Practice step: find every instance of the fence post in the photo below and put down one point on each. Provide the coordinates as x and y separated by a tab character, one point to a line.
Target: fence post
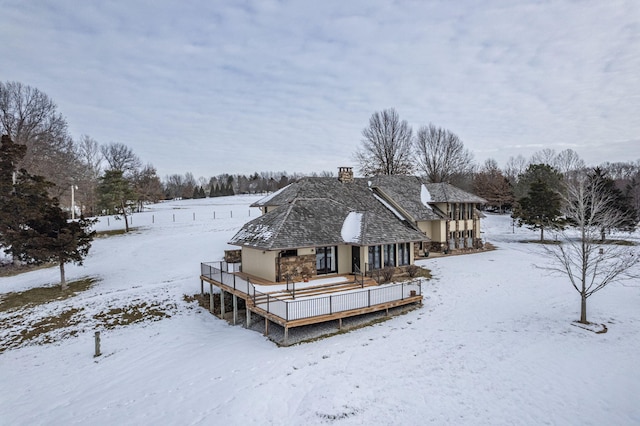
153	218
97	343
174	217
211	298
231	213
194	215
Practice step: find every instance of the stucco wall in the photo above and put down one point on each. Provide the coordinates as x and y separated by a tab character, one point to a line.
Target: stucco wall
344	259
259	263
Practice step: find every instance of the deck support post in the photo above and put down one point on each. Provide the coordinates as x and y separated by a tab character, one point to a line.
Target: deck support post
339	323
201	288
266	326
286	334
235	309
222	303
211	298
248	313
387	311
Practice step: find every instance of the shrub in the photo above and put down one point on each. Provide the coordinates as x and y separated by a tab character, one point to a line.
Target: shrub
387	273
412	270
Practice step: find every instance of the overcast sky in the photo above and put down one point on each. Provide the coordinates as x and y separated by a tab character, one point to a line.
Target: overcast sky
236	86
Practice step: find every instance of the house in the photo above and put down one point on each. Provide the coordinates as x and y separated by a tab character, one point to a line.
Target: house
321	226
447	215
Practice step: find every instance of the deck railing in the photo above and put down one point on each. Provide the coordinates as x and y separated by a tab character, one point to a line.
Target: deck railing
310	306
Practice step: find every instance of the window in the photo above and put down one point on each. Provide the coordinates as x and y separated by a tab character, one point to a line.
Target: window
289	253
404	254
389	255
326	261
374	257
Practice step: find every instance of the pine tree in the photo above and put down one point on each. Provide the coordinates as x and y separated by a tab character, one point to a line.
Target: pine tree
202	194
619	202
10	211
540	209
51	237
33	227
196	192
229	190
116	195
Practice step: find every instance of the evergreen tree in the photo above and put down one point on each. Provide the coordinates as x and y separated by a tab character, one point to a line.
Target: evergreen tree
619	203
202	193
217	192
33	227
540	209
116	195
537	172
10	212
196	192
212	191
51	237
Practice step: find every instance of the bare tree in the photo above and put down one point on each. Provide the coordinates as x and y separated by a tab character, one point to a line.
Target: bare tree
31	118
490	184
90	157
568	161
89	153
147	186
386	145
442	156
514	168
545	156
120	157
590	264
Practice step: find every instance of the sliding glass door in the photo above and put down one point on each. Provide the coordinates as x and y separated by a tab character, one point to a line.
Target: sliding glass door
326	260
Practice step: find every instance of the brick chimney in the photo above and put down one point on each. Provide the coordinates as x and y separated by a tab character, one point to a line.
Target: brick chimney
345	174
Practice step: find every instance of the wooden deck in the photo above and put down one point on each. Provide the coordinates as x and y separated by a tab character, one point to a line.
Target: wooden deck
269	304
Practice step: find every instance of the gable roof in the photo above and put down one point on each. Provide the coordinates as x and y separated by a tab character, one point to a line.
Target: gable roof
405	191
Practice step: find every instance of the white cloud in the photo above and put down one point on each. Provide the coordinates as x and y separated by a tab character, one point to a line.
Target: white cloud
222	87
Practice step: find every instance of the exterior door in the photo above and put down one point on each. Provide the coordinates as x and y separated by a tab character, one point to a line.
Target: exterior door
326	260
355	259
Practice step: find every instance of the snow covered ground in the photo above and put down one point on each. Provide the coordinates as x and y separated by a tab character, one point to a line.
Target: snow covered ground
493	344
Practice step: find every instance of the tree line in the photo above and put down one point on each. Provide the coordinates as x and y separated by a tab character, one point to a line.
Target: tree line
103	178
390	146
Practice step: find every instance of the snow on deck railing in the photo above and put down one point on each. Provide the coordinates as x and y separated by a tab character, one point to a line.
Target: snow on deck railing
311	306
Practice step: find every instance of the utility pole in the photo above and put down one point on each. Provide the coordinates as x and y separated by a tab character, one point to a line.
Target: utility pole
73	202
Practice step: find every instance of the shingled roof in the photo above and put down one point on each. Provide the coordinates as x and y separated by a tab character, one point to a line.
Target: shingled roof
314	212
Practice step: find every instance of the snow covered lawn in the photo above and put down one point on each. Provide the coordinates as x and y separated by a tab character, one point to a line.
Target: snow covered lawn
493	344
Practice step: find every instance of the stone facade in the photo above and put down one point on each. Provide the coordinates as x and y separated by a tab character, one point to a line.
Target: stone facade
296	266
